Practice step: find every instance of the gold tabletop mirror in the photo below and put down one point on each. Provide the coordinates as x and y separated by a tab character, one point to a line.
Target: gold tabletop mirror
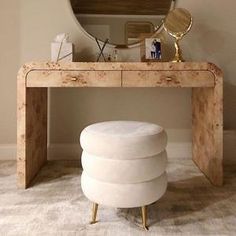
178	23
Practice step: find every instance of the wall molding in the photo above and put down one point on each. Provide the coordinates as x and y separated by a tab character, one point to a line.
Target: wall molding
7	152
68	151
230	147
72	151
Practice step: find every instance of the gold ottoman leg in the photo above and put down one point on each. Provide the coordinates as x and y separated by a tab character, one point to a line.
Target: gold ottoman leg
144	217
94	214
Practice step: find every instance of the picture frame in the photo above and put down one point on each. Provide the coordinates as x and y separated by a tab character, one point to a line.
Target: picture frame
151	49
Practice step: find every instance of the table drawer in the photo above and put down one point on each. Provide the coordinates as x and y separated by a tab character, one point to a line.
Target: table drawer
74	79
167	79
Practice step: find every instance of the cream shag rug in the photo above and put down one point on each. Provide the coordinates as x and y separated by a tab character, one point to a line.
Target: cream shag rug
55	205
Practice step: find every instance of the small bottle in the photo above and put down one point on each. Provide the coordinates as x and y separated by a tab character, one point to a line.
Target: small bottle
109	58
115	55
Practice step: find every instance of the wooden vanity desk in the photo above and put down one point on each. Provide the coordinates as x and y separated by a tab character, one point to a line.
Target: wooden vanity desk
205	79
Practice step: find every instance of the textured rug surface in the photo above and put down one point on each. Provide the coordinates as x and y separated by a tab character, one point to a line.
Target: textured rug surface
55	205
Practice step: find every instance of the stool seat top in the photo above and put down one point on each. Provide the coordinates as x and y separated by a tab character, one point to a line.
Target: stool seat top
123	139
124	128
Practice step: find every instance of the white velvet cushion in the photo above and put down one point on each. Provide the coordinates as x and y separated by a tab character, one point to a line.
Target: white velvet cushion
124	171
123	139
123	195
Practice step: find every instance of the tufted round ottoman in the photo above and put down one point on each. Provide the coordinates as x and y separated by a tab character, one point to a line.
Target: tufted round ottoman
124	164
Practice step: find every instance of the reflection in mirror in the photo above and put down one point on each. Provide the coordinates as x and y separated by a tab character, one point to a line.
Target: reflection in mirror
123	22
178	23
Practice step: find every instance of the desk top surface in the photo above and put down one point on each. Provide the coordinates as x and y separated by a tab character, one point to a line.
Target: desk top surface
122	66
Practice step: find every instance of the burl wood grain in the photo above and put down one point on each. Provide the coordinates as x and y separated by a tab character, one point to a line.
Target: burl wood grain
74	79
207	127
205	79
167	79
32	140
36	131
31	130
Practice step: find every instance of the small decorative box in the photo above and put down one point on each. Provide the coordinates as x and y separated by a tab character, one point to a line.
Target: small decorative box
61	49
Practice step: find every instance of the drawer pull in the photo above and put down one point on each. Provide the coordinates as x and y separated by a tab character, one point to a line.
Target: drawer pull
169	79
74	79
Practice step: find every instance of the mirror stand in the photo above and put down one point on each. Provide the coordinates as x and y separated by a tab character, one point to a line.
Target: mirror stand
178	52
178	23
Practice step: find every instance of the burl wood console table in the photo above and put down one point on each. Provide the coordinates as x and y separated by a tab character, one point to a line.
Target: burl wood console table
34	79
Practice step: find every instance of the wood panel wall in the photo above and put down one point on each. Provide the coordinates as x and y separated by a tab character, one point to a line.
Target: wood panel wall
121	7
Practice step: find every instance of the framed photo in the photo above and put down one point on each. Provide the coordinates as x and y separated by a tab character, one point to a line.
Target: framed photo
151	49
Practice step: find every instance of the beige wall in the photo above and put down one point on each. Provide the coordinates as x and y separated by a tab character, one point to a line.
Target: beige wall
9	63
213	38
28	28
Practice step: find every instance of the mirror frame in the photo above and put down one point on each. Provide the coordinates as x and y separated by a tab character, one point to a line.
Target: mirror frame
111	45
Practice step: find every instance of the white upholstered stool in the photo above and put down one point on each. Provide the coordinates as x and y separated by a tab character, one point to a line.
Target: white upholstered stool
124	164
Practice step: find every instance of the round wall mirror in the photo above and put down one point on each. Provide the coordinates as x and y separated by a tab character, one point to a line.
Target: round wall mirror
122	22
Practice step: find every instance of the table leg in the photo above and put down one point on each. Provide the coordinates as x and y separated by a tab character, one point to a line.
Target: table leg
207	127
31	133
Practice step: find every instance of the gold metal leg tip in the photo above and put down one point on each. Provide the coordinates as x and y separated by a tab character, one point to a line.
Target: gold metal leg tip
93	222
144	217
94	213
